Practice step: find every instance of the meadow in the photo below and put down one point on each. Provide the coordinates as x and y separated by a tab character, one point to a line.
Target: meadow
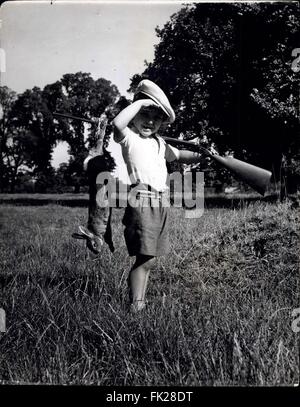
219	304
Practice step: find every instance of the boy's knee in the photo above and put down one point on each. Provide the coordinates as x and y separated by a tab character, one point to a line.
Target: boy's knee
150	263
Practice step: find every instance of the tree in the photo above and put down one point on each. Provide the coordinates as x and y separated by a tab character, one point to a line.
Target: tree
227	71
7	98
16	156
17	143
86	98
79	94
32	131
31	114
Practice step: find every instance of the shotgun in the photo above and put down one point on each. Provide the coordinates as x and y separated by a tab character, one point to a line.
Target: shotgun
256	177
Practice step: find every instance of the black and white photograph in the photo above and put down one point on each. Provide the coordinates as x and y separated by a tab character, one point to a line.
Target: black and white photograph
149	195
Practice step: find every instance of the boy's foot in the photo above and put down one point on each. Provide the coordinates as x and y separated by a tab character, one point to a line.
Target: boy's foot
137	306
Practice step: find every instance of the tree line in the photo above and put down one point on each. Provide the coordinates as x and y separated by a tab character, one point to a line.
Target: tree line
232	76
29	131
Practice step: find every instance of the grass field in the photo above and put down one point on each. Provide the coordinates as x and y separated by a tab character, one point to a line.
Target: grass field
219	310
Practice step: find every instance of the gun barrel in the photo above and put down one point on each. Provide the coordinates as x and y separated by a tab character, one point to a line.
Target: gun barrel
70	116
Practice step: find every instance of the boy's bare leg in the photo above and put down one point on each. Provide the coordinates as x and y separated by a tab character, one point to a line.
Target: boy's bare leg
138	280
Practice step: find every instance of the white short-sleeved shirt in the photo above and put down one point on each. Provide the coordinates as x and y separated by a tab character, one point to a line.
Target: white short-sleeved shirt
146	158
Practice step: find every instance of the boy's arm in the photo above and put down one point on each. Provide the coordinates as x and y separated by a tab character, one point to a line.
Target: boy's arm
189	157
122	120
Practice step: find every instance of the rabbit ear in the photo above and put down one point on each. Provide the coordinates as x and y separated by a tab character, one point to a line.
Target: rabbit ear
94	243
85	232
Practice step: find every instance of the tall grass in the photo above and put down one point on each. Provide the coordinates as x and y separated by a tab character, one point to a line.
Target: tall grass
219	305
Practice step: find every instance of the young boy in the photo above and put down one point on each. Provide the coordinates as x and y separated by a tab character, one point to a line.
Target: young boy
145	154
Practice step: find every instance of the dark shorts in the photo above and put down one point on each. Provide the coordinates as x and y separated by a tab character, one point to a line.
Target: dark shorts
146	227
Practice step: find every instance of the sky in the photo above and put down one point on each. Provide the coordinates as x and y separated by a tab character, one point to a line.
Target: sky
108	39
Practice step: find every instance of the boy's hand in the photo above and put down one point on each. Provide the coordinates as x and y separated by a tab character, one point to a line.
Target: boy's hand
148	102
122	120
189	157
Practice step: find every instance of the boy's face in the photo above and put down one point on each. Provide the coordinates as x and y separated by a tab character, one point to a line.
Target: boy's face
148	120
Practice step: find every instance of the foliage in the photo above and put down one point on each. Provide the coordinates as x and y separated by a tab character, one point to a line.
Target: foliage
29	132
7	98
227	71
83	97
30	113
14	154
